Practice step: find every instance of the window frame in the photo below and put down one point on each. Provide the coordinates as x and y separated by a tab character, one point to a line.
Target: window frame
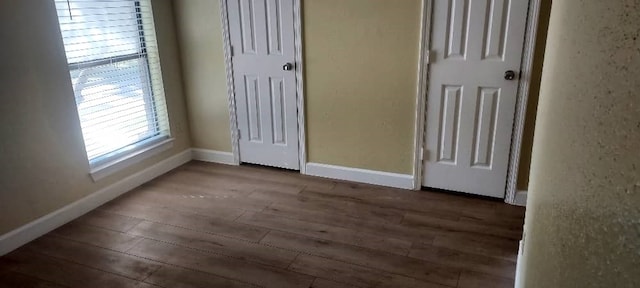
111	162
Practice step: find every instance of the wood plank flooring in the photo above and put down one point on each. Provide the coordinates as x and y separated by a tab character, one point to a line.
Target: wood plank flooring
208	225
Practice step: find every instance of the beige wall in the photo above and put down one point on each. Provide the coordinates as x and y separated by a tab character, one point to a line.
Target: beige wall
353	55
360	73
202	55
582	222
43	163
361	61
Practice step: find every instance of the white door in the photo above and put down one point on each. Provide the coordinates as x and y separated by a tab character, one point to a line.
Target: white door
263	72
471	102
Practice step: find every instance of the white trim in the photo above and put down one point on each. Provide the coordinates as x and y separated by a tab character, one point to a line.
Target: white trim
213	156
34	229
404	181
522	97
228	65
528	53
297	35
132	158
519	283
520	198
421	90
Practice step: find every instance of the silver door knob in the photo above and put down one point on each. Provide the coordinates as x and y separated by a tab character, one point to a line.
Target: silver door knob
509	75
287	67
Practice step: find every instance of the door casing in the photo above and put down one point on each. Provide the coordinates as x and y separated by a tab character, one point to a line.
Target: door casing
521	98
298	68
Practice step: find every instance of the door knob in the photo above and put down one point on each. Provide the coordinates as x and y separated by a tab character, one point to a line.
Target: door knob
509	75
287	67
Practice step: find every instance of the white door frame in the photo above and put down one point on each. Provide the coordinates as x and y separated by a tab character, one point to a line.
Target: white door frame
521	98
297	31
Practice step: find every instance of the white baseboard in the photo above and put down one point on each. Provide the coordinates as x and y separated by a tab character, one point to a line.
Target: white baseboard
212	156
521	198
32	230
519	279
403	181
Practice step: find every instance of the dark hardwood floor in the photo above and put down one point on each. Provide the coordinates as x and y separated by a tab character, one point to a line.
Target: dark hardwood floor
208	225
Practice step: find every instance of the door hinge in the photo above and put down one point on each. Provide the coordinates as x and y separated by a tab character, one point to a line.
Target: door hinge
430	55
239	134
231	50
424	154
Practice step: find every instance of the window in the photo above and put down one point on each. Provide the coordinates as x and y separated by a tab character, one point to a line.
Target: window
115	72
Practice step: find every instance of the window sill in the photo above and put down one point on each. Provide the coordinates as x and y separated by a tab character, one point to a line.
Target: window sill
100	172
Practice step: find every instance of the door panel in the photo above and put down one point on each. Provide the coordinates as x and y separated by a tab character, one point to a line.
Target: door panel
470	103
457	19
262	39
252	94
485	123
494	31
450	117
276	89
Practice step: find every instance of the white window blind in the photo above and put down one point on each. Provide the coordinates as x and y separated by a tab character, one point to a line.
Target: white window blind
113	59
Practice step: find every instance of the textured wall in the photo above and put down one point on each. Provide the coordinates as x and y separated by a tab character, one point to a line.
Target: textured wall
43	163
202	56
583	215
